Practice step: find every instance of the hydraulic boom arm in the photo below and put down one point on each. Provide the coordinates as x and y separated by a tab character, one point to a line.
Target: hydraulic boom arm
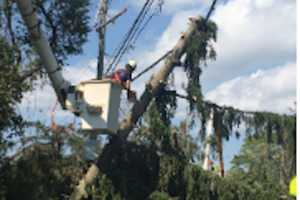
44	50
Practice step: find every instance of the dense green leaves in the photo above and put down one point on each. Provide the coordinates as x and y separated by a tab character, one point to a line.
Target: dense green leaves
11	93
39	174
66	25
199	51
133	169
260	167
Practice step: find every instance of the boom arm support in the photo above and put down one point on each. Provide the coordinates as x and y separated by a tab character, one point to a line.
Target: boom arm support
44	50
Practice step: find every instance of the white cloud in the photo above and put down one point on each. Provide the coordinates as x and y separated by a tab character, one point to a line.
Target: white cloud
169	37
166	42
270	90
252	34
264	4
171	6
86	70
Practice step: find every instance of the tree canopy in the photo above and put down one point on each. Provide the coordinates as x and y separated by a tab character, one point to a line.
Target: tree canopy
159	160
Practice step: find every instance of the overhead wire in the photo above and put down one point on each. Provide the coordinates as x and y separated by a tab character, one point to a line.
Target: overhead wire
140	24
152	65
127	35
156	12
131	35
208	15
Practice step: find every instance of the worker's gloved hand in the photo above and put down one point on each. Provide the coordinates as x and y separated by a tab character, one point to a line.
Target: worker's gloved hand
131	96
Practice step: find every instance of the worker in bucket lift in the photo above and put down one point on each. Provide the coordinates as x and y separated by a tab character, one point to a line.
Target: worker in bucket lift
124	78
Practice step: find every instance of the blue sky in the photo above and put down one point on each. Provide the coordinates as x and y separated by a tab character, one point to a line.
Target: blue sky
256	55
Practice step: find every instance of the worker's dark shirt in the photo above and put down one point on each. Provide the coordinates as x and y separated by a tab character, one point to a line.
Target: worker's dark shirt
122	75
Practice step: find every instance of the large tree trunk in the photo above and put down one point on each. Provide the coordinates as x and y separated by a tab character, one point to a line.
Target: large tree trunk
152	88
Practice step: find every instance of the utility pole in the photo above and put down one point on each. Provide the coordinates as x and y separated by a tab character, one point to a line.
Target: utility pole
101	35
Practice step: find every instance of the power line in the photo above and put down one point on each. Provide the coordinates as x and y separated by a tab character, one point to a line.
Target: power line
125	40
158	11
131	35
129	43
134	37
152	65
169	52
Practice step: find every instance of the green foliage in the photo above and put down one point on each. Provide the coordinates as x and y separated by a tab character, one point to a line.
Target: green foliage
179	179
159	196
66	25
172	175
130	166
269	123
166	105
260	167
225	119
11	93
39	174
200	50
103	189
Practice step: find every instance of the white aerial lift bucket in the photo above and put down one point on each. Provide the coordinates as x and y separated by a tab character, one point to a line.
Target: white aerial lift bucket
98	102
